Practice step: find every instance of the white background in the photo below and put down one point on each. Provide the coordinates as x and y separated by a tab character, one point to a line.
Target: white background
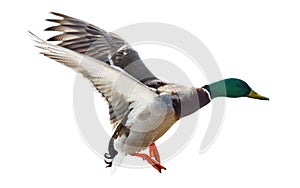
258	145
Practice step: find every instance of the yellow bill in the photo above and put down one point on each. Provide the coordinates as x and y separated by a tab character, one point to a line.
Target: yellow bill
255	95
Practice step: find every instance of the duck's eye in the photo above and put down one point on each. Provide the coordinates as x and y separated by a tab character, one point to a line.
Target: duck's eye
239	85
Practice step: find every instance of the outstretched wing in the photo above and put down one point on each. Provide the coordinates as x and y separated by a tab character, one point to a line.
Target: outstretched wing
126	95
92	41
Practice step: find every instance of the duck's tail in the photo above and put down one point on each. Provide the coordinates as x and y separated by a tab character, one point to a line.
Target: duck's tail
112	152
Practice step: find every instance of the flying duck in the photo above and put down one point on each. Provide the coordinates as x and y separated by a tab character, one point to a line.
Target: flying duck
141	106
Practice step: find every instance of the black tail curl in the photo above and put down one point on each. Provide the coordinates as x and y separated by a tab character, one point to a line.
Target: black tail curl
111	153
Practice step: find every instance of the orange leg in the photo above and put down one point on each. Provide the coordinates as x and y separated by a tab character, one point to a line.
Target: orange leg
153	152
151	161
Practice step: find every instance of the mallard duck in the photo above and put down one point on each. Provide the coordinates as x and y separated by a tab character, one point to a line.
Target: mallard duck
141	106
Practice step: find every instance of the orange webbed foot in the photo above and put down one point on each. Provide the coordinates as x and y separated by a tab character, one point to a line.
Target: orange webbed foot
151	161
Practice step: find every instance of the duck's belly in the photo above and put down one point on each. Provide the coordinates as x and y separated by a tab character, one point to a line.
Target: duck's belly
140	140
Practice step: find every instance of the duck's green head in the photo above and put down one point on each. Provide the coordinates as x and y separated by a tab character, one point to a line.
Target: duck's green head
233	88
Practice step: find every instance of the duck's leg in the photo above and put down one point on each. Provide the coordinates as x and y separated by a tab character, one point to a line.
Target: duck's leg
153	152
151	161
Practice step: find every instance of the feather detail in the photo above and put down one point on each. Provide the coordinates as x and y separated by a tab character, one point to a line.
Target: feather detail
123	92
87	39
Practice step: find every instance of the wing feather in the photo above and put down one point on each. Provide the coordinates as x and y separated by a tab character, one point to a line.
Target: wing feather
95	42
123	92
84	31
